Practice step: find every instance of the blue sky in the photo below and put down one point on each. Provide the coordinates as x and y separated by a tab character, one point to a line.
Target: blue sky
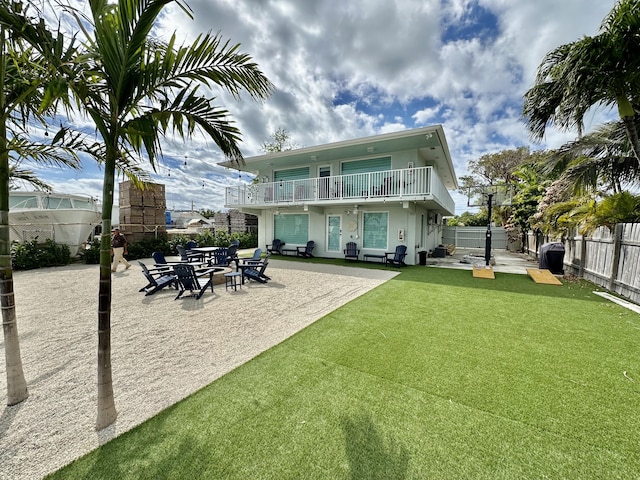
352	69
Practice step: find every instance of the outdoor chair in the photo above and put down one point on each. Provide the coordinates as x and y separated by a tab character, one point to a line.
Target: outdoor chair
188	279
387	187
186	256
190	244
232	254
219	257
306	250
256	271
351	252
397	258
158	278
276	246
256	258
160	262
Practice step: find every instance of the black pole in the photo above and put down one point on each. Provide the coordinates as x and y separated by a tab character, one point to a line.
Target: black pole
487	244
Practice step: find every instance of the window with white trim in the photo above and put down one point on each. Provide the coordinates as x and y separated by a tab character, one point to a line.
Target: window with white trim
375	230
292	228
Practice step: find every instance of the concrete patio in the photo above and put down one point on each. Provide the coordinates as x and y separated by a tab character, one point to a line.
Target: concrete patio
505	261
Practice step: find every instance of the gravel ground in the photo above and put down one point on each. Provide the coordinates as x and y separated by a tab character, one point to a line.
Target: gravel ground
162	350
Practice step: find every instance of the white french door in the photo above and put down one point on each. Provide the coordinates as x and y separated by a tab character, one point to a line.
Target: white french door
334	233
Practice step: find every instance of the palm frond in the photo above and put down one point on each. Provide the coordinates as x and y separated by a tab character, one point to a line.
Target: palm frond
183	116
603	158
58	154
20	175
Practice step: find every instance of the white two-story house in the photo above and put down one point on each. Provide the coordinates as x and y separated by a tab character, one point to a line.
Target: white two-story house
379	192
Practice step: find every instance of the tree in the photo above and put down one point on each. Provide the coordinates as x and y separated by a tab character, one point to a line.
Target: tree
600	161
468	219
281	142
137	89
28	92
525	202
587	213
599	70
495	168
499	169
207	213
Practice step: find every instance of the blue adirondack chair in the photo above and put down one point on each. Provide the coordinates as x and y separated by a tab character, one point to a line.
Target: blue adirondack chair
276	246
306	250
157	279
351	252
397	258
256	258
256	271
188	279
187	256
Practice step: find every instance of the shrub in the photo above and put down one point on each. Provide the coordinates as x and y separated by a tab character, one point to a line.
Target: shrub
91	255
144	248
30	255
217	239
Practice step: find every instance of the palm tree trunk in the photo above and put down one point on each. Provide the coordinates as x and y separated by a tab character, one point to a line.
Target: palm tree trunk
16	383
106	405
627	114
632	134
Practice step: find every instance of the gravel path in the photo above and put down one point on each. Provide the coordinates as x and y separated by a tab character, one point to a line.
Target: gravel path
162	350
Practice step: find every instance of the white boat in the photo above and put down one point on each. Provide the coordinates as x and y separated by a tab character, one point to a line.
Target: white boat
63	218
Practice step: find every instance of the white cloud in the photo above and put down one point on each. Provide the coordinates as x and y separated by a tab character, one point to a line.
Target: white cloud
390	63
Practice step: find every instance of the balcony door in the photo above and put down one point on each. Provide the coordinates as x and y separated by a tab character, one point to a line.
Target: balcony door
324	172
334	233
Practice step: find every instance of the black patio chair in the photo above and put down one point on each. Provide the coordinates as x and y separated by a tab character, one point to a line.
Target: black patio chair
188	256
276	246
397	258
256	271
191	279
351	252
256	258
158	278
232	255
220	257
160	261
306	250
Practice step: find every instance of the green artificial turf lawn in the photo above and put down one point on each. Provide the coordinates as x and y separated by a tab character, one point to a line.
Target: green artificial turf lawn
434	374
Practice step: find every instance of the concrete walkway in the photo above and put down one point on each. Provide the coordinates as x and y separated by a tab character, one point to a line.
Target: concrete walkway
505	261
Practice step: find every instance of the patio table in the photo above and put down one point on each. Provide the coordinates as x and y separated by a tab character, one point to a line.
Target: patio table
208	251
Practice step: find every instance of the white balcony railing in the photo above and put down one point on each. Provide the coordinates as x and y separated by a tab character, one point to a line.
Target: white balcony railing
389	184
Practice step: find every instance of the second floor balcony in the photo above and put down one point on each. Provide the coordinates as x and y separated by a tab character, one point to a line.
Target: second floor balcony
411	184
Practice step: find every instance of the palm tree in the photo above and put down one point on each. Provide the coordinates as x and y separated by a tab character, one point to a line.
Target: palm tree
136	89
600	161
600	70
26	94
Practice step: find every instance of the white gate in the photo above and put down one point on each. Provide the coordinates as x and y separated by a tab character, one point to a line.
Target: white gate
474	237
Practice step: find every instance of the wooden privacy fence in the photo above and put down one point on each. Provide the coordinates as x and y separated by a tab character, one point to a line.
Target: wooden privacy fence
609	259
